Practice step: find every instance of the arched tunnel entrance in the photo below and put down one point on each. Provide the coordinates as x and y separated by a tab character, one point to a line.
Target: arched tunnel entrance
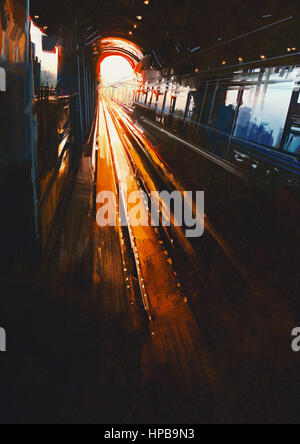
117	78
118	68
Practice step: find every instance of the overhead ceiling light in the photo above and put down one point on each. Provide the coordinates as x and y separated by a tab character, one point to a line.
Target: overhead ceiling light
139	17
36	17
224	62
130	32
197	70
135	26
267	16
146	2
240	59
263	57
45	27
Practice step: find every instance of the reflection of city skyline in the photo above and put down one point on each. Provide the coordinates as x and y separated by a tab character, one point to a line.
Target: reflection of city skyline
256	112
268	107
254	131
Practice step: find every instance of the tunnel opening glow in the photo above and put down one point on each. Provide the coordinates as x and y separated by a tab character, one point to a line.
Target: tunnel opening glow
118	79
115	71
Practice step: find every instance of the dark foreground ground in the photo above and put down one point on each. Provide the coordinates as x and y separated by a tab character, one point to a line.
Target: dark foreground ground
75	354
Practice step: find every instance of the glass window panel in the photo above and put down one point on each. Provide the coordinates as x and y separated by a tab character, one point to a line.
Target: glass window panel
181	100
168	103
224	108
208	103
195	105
151	98
161	99
262	115
292	144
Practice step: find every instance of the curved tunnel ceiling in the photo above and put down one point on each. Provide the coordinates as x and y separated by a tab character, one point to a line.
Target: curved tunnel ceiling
109	46
174	31
112	18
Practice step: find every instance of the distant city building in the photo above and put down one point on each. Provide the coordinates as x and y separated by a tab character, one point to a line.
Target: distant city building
48	60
